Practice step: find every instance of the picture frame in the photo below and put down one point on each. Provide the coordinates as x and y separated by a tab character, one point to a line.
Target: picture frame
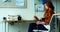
13	3
39	8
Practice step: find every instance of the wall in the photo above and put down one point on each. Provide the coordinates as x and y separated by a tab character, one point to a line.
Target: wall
58	6
25	13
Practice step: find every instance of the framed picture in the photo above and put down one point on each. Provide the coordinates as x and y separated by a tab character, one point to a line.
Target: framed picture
13	3
39	7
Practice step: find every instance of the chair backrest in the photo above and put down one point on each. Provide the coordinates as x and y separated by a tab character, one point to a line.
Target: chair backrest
51	19
40	31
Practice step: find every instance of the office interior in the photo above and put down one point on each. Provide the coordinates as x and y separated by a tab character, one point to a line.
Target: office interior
10	10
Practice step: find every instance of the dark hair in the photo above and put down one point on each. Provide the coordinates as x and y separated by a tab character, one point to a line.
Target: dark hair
50	5
36	17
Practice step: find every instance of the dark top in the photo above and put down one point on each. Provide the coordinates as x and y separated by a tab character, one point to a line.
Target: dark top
33	26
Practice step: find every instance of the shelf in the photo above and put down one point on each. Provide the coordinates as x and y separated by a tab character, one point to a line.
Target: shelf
19	20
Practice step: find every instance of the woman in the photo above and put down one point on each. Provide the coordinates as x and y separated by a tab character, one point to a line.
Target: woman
36	26
49	11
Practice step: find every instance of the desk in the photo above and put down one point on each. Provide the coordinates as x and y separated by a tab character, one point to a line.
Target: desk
7	23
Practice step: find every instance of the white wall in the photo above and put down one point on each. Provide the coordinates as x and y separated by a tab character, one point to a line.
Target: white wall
26	13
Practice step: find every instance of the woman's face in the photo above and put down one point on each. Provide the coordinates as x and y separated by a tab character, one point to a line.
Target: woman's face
46	6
